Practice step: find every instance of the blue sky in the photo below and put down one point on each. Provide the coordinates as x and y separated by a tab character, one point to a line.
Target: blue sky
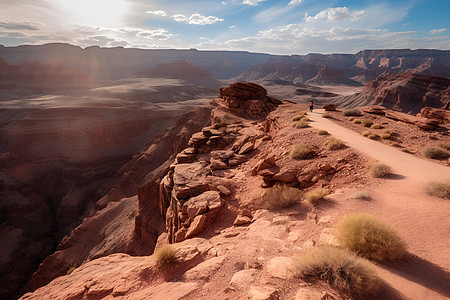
269	26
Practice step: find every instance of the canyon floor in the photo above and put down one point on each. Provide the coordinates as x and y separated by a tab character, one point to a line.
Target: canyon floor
252	259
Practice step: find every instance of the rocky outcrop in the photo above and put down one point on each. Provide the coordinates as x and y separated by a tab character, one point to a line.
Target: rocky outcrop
440	115
403	92
331	76
248	100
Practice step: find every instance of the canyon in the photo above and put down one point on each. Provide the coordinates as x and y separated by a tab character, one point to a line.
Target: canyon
110	157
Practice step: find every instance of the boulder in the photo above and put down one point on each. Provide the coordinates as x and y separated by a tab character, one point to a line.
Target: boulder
329	107
440	115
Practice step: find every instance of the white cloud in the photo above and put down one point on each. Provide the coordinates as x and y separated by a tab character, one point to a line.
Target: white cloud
337	14
159	13
197	19
252	2
437	31
232	26
295	2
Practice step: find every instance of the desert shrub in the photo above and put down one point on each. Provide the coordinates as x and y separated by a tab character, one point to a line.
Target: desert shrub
385	136
301	151
366	123
323	132
362	195
71	268
316	195
378	169
372	136
334	144
439	189
326	115
340	269
444	145
376	126
435	152
300	124
166	255
350	118
299	116
357	121
352	112
366	133
370	237
280	196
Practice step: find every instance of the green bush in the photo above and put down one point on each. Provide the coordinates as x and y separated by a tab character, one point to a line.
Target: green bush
340	269
316	195
166	255
370	237
280	196
435	152
366	123
352	112
333	144
323	132
378	169
439	189
301	151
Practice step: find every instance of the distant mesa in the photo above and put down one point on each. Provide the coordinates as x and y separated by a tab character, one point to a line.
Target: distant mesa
403	92
179	69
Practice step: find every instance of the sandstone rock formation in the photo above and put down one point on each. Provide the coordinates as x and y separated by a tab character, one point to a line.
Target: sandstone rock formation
403	92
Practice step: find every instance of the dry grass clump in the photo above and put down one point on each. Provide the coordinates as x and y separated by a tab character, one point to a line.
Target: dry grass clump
350	118
439	189
435	152
280	196
357	121
166	255
378	169
316	195
323	132
387	134
326	115
362	195
301	151
71	268
372	136
333	144
376	126
300	124
352	112
366	123
340	269
370	237
444	145
299	116
366	133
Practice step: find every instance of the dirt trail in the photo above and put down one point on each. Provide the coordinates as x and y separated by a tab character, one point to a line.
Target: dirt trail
403	164
422	221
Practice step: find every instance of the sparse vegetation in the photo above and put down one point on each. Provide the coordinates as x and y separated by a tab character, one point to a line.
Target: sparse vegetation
323	132
387	134
366	123
352	112
340	269
301	151
71	268
316	195
280	196
439	189
376	126
299	116
366	133
350	118
372	136
333	144
356	121
444	145
362	195
435	152
326	115
300	124
166	255
370	237
378	169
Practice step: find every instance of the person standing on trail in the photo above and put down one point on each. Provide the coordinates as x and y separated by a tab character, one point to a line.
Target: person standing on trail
311	106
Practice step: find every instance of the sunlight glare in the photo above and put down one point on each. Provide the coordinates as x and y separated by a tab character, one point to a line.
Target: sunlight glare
108	13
